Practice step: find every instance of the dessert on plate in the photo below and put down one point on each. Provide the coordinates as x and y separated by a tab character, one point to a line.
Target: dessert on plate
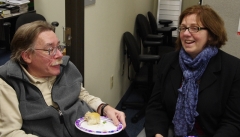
92	118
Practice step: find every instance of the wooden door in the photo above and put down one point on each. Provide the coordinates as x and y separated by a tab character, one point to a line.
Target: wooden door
74	16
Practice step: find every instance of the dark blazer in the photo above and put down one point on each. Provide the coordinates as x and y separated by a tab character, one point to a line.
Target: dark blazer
218	99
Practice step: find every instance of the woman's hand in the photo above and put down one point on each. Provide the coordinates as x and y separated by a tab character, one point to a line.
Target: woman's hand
116	115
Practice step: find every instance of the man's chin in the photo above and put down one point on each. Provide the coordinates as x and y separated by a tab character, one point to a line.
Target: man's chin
55	70
55	73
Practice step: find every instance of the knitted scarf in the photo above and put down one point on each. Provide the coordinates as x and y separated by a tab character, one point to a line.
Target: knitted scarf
185	113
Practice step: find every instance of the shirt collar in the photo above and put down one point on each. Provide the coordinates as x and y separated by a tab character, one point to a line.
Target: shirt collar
36	80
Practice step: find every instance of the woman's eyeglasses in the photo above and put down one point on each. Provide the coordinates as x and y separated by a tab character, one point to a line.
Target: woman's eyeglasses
52	51
192	29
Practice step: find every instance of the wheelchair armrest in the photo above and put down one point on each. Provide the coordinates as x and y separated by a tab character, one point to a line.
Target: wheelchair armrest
149	58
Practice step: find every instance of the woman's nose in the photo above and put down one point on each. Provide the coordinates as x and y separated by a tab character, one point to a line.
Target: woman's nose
186	33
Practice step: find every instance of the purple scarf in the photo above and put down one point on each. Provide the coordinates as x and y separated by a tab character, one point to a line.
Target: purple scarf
185	113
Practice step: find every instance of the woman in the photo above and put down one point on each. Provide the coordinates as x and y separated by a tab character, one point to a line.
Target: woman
197	91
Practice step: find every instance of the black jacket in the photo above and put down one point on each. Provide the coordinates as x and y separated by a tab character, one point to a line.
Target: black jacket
218	99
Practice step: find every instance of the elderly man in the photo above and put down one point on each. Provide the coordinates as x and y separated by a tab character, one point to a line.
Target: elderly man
40	89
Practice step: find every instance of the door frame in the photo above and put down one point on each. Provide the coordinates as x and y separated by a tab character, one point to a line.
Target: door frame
74	18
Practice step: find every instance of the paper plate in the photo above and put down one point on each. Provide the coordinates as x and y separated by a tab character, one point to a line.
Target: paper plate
106	127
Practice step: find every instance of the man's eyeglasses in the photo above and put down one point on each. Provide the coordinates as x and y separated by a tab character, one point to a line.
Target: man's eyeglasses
192	29
52	51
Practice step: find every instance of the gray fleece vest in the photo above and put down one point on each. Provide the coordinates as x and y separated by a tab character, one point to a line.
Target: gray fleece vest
39	118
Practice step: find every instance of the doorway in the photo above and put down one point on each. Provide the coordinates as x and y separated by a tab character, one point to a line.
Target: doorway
74	19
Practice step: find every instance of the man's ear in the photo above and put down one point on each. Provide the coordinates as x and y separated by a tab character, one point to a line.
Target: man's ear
26	56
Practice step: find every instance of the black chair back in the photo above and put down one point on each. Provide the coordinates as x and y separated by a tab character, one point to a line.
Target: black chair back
27	18
165	31
22	19
143	26
145	33
143	81
133	50
152	22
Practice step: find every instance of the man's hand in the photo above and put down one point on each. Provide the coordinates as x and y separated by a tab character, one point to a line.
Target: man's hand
116	115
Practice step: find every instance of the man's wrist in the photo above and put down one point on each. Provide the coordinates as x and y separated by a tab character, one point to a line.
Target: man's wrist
102	109
99	108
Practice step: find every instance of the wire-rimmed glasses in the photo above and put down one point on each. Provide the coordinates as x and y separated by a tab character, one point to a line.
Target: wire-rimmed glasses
52	51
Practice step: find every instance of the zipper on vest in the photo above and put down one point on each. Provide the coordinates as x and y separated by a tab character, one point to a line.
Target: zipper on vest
62	119
60	115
